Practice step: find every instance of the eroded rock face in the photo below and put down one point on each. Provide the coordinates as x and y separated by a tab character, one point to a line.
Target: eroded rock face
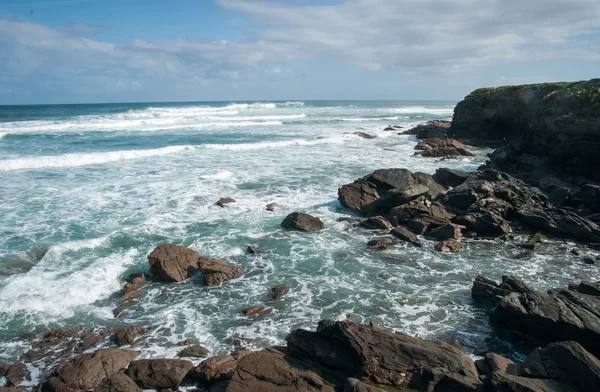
127	335
159	373
430	129
302	222
357	351
118	382
86	371
173	263
216	271
406	235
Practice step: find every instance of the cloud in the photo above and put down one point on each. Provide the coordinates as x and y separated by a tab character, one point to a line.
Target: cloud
417	35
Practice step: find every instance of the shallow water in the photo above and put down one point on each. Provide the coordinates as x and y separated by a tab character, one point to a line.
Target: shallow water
89	190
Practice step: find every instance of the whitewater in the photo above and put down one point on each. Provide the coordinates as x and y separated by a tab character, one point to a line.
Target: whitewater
88	191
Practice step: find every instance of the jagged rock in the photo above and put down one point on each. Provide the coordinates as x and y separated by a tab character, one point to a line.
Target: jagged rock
86	371
452	246
377	222
279	291
364	135
357	350
522	255
254	250
225	200
488	290
194	352
485	223
256	311
433	143
135	282
159	373
118	382
423	223
406	235
271	207
131	295
302	222
16	374
449	177
173	263
216	271
127	335
445	232
185	342
446	152
430	129
382	243
589	260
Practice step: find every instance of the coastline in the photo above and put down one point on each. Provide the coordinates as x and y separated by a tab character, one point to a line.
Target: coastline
472	205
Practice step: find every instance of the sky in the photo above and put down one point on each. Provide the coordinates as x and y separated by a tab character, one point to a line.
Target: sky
89	51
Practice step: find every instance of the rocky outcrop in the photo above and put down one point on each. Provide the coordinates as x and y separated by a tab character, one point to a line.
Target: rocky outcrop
118	382
216	271
159	373
442	148
173	263
554	316
430	129
380	244
194	352
127	335
302	222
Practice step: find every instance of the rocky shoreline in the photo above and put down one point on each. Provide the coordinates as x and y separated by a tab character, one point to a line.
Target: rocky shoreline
527	124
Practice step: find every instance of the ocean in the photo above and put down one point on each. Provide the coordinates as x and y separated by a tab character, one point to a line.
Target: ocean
88	191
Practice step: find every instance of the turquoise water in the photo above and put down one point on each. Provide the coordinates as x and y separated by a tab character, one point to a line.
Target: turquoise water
89	190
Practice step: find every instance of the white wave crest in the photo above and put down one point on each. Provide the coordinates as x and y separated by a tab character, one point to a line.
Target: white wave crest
423	109
83	159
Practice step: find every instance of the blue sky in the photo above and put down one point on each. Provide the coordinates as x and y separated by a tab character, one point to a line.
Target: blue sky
184	50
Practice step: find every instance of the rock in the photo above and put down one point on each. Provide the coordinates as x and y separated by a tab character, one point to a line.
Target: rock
558	315
406	235
530	245
522	255
430	129
159	373
185	342
135	282
485	223
590	288
173	263
256	311
215	369
355	385
589	260
574	252
279	291
131	295
450	178
254	250
302	222
488	290
216	271
422	223
357	350
382	243
446	152
377	222
364	135
225	200
16	374
86	371
118	382
433	143
271	206
364	194
194	352
494	363
127	335
450	245
445	232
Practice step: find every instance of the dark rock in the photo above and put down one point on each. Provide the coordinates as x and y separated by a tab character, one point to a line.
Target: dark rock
216	271
16	374
485	223
185	342
522	255
451	245
173	263
488	290
377	222
271	206
194	352
357	350
449	177
279	291
224	200
422	223
216	369
530	245
159	373
364	135
254	250
430	129
434	143
590	288
575	252
589	260
131	296
127	335
445	232
86	371
382	243
302	222
256	311
406	235
446	152
118	382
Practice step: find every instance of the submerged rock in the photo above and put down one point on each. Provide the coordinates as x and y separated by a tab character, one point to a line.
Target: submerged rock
380	244
364	135
173	263
256	311
450	245
253	250
279	291
224	201
302	222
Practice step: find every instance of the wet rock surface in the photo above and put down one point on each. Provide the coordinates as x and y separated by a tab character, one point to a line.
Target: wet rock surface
173	263
302	222
159	373
216	271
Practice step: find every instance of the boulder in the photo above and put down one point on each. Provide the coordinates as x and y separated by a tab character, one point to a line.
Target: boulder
253	250
256	311
446	152
216	271
131	296
377	222
383	243
173	263
225	200
86	371
279	291
357	350
302	222
271	207
423	223
485	223
406	235
430	129
449	177
364	135
135	282
127	335
194	352
159	373
16	374
450	245
445	232
118	382
215	369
